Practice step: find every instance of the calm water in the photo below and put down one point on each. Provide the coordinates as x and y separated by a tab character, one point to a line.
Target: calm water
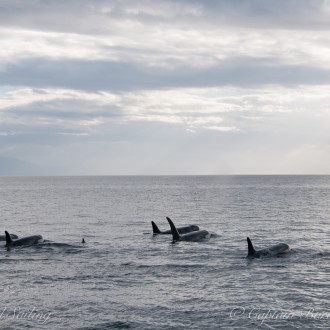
126	278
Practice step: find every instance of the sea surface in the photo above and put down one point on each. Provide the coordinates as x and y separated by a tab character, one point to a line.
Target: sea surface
123	277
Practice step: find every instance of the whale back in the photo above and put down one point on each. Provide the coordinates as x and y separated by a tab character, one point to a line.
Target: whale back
195	236
29	240
271	251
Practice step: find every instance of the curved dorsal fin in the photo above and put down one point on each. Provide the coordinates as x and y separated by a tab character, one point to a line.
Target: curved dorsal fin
175	233
155	229
251	249
8	238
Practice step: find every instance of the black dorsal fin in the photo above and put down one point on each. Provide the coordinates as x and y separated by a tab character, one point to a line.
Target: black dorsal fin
251	250
155	229
175	233
83	241
8	238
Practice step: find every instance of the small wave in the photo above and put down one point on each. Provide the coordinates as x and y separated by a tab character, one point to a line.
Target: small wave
61	245
57	247
110	325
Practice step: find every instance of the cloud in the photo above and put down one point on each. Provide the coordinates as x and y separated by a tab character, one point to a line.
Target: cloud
109	16
181	34
218	86
119	76
83	113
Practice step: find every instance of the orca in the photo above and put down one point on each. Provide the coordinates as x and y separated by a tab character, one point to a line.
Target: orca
35	239
272	251
190	237
3	237
181	230
83	241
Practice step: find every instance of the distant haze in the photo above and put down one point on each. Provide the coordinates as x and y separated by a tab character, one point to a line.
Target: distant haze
164	87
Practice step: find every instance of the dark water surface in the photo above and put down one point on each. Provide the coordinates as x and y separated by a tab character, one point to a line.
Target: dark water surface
123	277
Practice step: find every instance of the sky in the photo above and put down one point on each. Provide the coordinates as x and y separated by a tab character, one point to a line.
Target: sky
159	87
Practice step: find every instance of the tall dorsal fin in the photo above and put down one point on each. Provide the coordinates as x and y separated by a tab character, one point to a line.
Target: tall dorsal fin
251	249
155	229
175	233
8	238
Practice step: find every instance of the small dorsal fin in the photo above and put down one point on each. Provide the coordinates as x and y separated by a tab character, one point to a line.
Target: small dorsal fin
251	249
175	233
155	229
8	238
83	241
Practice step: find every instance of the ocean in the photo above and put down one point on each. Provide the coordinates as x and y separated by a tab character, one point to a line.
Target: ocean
123	277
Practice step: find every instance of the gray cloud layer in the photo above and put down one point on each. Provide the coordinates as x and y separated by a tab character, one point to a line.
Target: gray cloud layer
71	15
117	76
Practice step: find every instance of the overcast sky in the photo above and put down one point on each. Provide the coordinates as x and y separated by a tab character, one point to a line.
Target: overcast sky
164	87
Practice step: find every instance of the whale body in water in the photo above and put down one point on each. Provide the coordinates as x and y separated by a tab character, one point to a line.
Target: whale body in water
181	230
271	251
30	240
190	237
